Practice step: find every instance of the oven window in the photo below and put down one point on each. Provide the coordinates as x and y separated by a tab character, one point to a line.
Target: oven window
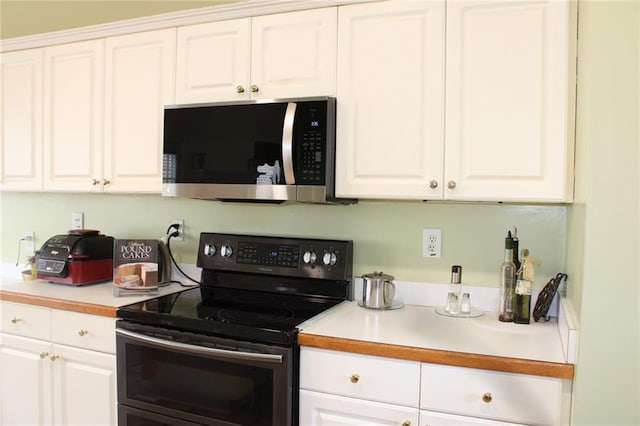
233	391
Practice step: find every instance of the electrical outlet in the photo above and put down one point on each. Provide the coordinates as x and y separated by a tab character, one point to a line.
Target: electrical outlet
180	222
431	242
77	220
28	241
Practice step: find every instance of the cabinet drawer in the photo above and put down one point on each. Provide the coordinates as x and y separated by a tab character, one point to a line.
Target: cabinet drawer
26	320
361	376
492	395
84	331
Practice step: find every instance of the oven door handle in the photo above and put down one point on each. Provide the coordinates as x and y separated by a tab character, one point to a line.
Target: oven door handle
210	352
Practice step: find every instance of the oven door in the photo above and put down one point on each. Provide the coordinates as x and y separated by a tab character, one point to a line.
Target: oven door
178	375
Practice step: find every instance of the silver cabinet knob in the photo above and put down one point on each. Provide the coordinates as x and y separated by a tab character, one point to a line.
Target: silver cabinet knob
451	184
433	184
15	320
94	182
43	355
54	357
105	182
83	332
239	89
254	88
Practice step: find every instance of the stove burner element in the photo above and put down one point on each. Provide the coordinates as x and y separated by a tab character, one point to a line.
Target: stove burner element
254	315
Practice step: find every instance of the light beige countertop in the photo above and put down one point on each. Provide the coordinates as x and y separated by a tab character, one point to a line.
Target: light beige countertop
419	333
96	299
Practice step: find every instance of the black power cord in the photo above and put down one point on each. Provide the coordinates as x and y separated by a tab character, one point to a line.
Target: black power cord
173	234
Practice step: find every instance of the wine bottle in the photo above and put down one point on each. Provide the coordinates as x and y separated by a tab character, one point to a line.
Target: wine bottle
522	302
507	281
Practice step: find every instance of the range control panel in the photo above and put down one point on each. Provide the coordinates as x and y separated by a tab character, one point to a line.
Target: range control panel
286	256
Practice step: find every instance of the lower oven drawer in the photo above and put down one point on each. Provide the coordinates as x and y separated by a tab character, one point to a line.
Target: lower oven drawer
203	379
128	416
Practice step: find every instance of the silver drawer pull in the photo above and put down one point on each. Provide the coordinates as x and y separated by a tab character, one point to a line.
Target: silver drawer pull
83	332
15	320
43	355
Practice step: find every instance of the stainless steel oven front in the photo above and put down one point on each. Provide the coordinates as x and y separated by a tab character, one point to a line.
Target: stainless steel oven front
170	377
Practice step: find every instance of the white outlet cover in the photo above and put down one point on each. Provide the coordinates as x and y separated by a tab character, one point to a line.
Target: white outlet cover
432	242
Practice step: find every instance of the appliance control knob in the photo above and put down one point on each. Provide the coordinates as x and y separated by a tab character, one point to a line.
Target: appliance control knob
309	257
329	258
226	251
209	249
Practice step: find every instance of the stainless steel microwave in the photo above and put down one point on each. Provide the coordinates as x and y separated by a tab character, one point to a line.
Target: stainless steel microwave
263	151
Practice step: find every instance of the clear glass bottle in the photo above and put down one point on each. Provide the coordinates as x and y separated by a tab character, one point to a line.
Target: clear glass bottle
454	297
522	302
507	281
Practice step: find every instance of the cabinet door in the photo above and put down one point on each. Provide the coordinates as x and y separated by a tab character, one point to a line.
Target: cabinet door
432	418
73	116
510	79
21	120
212	61
294	54
25	381
140	80
390	88
319	409
85	387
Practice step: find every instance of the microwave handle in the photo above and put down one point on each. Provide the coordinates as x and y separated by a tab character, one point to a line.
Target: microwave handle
201	350
287	144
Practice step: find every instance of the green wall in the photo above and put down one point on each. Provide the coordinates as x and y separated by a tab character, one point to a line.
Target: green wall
603	232
387	235
599	233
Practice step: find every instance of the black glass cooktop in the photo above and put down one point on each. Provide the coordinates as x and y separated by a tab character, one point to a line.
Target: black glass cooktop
239	314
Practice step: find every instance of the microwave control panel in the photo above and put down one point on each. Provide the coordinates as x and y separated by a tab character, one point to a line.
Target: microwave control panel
311	120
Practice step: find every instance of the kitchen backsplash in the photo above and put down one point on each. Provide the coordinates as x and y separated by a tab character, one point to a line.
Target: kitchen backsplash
387	235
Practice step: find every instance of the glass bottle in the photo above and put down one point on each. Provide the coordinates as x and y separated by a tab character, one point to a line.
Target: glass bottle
507	281
522	302
454	296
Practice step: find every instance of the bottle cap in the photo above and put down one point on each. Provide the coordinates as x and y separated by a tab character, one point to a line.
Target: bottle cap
508	242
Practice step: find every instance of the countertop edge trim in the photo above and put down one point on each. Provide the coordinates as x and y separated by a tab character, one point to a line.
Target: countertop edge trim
67	305
436	356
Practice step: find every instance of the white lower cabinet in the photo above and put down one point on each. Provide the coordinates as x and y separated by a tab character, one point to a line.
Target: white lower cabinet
321	409
346	389
485	395
340	388
44	380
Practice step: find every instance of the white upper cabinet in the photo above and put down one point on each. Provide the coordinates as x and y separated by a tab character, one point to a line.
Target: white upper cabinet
103	112
294	54
390	110
509	107
213	61
140	78
73	115
273	56
504	130
21	120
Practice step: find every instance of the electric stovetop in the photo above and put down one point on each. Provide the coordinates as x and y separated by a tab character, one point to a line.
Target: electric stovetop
240	314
